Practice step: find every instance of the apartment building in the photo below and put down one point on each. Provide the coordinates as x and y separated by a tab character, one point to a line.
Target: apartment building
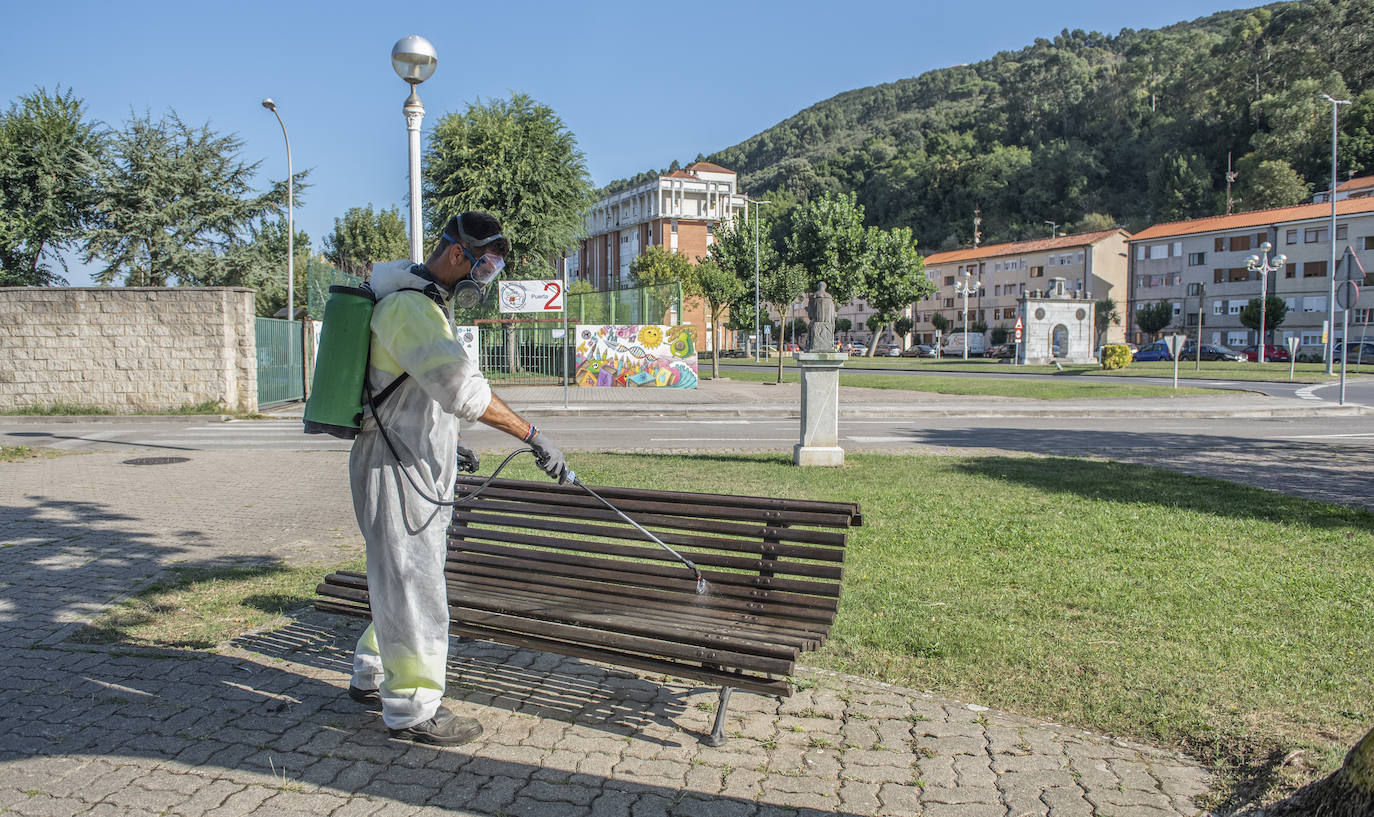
1199	266
1356	188
679	212
1093	266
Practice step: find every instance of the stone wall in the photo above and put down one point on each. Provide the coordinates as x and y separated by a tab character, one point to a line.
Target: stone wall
128	349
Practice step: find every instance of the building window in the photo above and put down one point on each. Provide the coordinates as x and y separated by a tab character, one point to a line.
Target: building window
949	302
1341	231
1195	289
1234	307
1238	274
1364	315
1178	308
949	280
1314	269
1192	319
1197	259
1140	252
1290	237
1314	304
1290	270
1158	251
1217	307
1369	242
1311	338
1218	276
1037	272
1316	235
1220	244
1178	249
1237	338
1239	243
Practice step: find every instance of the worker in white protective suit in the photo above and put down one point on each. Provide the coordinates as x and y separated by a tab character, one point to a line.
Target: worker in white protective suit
421	383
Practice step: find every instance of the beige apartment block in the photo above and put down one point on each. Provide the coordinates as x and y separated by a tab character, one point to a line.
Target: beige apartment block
1199	267
679	212
998	276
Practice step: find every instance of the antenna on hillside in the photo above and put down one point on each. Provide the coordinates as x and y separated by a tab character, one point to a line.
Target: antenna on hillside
977	222
1230	178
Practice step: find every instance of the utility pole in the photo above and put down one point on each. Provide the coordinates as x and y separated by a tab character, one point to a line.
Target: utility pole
977	222
1201	295
1230	178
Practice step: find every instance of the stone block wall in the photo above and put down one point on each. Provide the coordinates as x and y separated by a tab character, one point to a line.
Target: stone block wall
128	349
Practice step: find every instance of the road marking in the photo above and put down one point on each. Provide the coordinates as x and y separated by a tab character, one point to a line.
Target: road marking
1307	393
722	439
907	439
703	422
1319	436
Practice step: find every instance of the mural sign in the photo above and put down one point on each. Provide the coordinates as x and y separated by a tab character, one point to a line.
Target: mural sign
638	355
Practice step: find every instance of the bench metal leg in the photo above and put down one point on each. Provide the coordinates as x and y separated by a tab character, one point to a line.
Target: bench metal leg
717	736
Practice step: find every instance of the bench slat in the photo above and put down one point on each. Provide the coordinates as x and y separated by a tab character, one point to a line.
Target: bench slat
832	541
469	532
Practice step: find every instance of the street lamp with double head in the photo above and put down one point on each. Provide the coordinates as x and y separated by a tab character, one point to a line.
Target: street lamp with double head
758	337
414	60
1263	266
962	287
1331	271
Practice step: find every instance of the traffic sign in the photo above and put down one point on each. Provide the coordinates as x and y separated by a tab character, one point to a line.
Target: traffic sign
1347	294
1018	331
1293	341
1018	323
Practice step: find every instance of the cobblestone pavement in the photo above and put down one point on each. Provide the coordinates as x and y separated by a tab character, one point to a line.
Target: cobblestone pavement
261	725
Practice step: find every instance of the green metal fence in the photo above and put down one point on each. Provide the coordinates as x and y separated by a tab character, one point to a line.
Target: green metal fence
279	361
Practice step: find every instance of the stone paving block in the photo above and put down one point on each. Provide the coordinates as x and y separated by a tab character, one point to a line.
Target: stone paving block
1067	801
974	771
898	800
799	800
459	791
744	784
211	795
702	779
1020	764
938	771
242	802
954	745
692	806
360	807
498	793
652	805
1134	774
964	810
962	794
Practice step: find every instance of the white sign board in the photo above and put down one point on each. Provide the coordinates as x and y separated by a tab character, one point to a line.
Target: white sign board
467	338
1293	341
531	296
1175	343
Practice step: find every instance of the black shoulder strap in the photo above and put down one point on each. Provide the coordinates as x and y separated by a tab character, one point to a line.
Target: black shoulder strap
433	294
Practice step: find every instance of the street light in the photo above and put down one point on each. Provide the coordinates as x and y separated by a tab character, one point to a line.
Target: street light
290	233
758	336
962	287
1054	228
1263	266
1331	271
414	60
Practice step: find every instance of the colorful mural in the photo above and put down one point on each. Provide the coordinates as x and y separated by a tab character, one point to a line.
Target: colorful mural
637	355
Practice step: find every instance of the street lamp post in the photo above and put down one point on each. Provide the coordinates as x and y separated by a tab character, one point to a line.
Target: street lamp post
414	60
1263	266
758	335
1331	271
290	233
962	288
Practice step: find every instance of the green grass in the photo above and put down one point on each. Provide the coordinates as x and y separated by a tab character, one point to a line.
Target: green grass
1305	372
198	608
15	453
998	386
1222	620
64	409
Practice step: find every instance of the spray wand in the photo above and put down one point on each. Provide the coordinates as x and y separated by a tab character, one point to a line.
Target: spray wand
701	580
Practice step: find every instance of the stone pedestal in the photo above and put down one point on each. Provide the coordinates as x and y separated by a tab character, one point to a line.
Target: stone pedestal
820	409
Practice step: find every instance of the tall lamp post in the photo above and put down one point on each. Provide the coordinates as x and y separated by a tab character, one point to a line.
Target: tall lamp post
414	60
962	288
290	234
758	335
1263	266
1331	271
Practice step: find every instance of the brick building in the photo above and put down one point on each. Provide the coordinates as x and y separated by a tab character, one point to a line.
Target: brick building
1202	263
679	212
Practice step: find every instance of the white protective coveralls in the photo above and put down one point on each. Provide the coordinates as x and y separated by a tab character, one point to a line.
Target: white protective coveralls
404	651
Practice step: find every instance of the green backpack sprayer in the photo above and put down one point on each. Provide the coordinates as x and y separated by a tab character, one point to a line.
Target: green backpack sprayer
340	391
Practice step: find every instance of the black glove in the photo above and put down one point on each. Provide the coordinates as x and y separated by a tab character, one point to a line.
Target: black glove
549	458
467	459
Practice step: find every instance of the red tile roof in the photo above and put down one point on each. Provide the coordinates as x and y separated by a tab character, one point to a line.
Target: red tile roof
1359	183
1257	218
679	174
1021	247
708	167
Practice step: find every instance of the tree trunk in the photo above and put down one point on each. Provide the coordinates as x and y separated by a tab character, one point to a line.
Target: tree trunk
1349	792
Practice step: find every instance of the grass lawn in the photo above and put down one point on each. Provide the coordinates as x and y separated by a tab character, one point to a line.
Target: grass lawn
999	386
62	409
1305	372
1226	621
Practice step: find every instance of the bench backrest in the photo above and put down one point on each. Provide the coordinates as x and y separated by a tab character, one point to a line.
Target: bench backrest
773	562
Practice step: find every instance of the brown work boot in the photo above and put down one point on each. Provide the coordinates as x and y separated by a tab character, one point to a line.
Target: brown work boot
444	729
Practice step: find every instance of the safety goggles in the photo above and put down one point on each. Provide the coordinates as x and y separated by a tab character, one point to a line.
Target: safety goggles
486	268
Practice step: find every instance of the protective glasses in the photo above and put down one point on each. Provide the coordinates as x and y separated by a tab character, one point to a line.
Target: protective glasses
484	269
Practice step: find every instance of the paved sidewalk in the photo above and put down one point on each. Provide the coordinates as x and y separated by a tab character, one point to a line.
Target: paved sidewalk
261	726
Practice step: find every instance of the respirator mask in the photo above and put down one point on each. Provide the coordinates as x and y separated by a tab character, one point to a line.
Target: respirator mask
472	290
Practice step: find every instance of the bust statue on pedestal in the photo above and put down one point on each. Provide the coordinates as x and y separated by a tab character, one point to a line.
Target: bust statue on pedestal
821	311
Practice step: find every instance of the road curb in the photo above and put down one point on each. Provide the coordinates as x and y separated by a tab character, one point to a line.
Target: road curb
916	412
35	419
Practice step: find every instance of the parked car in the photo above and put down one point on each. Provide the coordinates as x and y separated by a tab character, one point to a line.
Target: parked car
1361	351
1002	351
891	350
1272	353
956	341
856	349
919	350
791	347
1210	351
1159	350
733	353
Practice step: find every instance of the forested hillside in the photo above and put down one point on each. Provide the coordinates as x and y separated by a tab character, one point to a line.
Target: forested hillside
1134	128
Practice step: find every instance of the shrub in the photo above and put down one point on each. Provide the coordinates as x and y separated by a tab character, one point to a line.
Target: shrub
1116	356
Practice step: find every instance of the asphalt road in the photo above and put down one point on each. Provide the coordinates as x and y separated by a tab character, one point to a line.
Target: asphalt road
1328	458
1359	388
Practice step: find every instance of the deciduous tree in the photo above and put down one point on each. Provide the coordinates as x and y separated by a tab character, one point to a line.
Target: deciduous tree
1275	312
718	287
659	266
829	241
364	237
1153	318
894	280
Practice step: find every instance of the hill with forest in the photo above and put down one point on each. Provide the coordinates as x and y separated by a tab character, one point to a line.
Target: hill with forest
1089	130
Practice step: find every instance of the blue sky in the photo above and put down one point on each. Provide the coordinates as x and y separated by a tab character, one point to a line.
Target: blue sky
639	84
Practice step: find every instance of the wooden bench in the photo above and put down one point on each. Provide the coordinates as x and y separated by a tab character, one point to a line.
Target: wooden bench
544	566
